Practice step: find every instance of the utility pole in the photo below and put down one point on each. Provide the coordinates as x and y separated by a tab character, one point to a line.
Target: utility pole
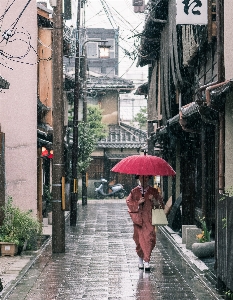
74	177
58	217
84	174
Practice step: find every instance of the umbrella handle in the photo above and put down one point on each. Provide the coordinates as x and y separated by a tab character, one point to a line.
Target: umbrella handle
143	188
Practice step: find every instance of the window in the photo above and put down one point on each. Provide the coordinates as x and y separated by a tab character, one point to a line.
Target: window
92	50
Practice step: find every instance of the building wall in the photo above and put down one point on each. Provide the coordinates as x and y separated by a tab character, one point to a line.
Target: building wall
107	66
18	105
109	104
130	106
44	70
228	41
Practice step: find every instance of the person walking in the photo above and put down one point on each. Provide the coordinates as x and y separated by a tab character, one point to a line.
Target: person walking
140	202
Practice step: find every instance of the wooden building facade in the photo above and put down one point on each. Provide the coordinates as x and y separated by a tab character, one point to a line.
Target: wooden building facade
189	101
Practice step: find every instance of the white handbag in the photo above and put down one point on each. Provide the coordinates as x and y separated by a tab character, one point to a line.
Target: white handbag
158	217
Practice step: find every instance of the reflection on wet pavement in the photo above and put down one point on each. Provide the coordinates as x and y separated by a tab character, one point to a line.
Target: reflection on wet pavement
100	263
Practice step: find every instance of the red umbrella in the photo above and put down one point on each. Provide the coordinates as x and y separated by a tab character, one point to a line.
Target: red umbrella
144	165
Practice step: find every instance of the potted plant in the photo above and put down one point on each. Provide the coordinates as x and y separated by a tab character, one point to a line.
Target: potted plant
18	230
204	247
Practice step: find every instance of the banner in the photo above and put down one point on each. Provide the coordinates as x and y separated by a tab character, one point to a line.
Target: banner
191	12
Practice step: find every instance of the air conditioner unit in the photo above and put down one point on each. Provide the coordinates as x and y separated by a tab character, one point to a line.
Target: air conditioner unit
138	2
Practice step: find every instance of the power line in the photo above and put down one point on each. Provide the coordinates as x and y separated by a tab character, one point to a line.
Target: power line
106	12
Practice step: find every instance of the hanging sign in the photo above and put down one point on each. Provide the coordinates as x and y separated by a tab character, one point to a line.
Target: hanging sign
191	12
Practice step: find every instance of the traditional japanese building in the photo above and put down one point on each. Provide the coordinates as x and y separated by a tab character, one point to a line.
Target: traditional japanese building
189	105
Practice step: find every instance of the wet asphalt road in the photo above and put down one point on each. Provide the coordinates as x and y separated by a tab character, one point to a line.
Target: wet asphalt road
100	263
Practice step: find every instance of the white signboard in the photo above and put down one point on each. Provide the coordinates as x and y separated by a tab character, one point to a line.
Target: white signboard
191	12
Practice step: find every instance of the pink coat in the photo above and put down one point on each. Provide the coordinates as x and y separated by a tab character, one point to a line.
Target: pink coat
144	232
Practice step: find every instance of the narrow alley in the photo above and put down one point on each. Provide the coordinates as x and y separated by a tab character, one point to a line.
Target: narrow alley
101	263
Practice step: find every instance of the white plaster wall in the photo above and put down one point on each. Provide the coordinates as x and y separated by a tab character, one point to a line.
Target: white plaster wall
18	105
228	40
229	142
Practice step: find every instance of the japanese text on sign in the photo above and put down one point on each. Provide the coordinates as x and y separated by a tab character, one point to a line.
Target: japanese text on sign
191	12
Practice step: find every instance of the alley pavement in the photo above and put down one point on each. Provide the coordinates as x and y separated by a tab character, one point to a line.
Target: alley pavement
100	263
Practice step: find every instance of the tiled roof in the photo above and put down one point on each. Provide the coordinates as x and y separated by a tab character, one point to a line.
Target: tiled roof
142	89
123	136
99	82
117	145
116	155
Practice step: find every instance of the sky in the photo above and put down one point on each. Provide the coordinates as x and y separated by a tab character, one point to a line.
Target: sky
113	14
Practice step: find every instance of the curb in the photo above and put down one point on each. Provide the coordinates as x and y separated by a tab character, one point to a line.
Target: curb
11	285
8	289
203	273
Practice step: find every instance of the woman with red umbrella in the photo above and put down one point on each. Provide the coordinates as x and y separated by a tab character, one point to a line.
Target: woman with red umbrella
140	202
142	199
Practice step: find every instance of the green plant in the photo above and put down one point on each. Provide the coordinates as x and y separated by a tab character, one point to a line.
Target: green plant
229	191
229	294
205	235
224	221
18	226
141	117
88	134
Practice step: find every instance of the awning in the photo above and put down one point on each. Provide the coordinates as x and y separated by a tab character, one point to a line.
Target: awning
162	130
142	89
150	36
189	110
4	84
174	120
41	107
218	95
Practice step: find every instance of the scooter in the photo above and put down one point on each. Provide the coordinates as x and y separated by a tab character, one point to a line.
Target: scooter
115	190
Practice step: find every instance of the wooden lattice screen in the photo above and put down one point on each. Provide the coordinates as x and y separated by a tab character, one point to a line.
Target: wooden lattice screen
225	241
